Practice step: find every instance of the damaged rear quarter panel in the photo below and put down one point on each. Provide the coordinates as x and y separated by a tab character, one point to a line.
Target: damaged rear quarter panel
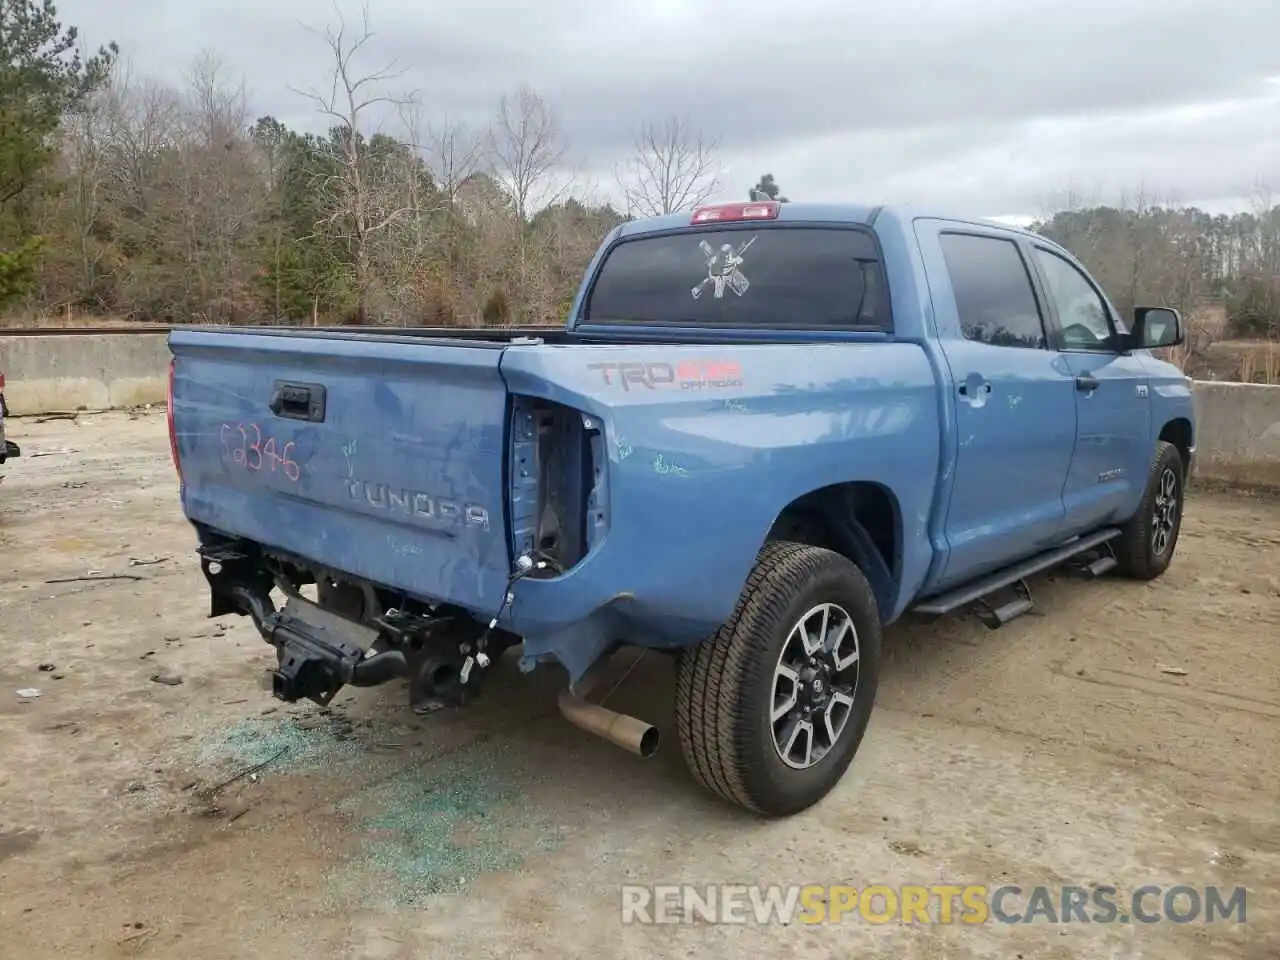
706	444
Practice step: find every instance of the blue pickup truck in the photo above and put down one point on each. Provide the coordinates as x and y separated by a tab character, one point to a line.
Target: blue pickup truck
766	432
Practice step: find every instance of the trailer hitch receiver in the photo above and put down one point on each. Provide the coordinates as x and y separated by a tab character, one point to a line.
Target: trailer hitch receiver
319	652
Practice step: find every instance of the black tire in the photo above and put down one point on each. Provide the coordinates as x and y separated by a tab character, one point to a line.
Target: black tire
1145	548
725	687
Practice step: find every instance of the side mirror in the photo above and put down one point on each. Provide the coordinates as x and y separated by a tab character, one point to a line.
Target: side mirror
1156	327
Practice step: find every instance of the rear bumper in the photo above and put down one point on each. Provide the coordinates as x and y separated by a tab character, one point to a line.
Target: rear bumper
572	619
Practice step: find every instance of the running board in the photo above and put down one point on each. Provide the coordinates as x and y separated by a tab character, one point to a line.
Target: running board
974	592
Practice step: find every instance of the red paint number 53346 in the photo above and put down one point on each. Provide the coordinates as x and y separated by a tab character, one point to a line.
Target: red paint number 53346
245	445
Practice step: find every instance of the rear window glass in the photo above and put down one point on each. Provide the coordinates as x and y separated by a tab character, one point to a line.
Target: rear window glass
769	277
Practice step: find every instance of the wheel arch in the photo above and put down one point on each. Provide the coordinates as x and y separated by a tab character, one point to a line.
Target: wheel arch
1179	432
860	520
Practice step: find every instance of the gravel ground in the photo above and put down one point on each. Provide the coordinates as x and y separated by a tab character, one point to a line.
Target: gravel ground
1124	734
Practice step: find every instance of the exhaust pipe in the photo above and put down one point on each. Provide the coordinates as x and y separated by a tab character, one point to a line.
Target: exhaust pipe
630	733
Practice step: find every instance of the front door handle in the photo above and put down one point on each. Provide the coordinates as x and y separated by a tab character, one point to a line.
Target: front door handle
1086	383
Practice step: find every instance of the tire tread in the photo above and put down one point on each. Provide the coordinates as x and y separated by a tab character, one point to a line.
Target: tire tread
1132	547
712	708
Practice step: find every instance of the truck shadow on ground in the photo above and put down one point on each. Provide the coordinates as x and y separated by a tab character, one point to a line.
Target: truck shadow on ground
433	803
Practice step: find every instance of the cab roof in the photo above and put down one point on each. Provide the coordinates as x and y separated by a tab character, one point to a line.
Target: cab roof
809	212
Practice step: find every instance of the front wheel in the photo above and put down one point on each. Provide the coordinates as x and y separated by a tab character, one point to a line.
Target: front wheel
772	707
1145	548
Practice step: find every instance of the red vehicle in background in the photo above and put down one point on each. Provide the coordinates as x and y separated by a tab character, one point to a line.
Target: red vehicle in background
7	447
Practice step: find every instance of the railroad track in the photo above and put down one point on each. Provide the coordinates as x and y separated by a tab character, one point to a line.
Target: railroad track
78	331
142	329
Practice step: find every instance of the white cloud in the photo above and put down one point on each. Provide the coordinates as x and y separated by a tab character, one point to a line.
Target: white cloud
976	106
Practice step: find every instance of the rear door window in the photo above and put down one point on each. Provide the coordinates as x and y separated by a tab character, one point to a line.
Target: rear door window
768	277
994	296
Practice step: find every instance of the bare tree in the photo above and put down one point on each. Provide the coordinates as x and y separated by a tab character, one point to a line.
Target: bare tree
221	190
453	153
86	140
527	147
674	168
1267	215
141	203
145	119
218	108
357	209
407	176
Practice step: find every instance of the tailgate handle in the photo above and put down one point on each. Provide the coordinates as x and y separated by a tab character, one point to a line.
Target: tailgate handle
298	401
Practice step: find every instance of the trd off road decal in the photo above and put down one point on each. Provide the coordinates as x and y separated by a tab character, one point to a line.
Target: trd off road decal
659	375
723	270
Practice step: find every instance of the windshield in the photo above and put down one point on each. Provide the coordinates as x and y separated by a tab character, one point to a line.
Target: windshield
768	276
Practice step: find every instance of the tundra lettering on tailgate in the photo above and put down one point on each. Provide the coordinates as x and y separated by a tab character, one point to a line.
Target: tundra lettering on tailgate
417	503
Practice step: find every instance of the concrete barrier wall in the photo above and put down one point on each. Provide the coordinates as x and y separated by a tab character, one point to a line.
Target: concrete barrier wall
91	372
1239	423
1239	427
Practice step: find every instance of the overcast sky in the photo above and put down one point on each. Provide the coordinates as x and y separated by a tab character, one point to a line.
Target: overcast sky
987	107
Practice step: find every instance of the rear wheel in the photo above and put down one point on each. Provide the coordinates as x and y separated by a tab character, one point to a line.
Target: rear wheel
772	707
1145	548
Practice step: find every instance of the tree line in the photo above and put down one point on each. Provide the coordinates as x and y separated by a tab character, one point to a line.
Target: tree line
124	196
1146	253
165	203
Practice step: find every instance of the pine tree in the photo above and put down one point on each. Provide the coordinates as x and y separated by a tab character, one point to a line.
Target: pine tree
767	189
42	77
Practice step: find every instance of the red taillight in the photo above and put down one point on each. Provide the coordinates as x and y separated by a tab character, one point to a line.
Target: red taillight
173	434
731	212
1	381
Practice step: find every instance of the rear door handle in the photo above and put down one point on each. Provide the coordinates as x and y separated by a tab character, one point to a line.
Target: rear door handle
298	401
1086	383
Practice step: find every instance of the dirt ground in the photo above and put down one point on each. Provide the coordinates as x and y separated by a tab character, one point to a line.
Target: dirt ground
1125	734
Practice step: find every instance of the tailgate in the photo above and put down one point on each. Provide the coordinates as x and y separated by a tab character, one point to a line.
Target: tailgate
378	456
